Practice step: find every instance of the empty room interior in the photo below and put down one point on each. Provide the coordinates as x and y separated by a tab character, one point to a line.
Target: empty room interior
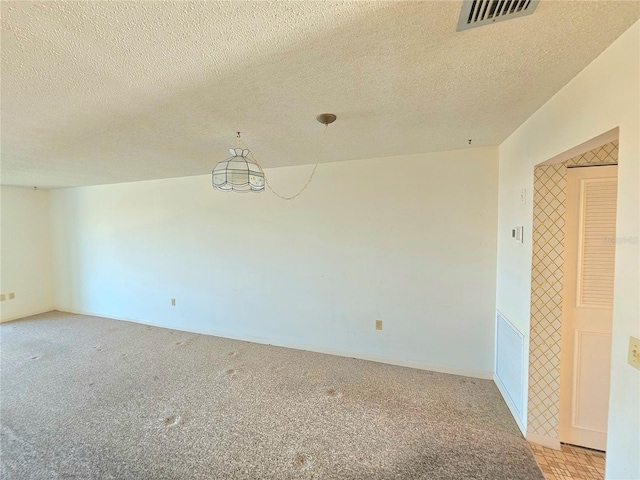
329	240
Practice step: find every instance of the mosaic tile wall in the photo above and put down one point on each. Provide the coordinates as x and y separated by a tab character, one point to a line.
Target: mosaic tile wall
550	183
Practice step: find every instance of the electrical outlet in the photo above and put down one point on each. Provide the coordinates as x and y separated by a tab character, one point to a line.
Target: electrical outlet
12	295
634	352
3	297
378	324
523	196
173	302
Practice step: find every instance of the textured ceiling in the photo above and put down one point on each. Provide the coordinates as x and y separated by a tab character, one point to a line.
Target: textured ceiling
102	92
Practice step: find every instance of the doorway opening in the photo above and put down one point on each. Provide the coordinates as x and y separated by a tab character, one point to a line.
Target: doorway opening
555	397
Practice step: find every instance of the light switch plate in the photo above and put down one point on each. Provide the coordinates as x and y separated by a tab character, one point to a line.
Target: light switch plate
634	352
3	297
12	295
378	324
517	233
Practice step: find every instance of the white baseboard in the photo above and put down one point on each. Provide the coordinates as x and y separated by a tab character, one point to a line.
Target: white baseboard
543	440
512	407
24	315
310	348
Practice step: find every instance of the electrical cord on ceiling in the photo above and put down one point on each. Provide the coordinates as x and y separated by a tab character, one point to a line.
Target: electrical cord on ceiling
313	172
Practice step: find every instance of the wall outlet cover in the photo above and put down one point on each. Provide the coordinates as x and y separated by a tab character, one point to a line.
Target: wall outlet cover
3	297
634	352
378	324
12	295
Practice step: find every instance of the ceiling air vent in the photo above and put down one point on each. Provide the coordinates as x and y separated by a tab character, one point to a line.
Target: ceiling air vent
476	13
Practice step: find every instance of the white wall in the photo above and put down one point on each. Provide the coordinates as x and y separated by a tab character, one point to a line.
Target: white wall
25	252
602	97
409	240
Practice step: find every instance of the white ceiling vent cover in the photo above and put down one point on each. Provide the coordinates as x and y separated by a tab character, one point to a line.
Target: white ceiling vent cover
476	13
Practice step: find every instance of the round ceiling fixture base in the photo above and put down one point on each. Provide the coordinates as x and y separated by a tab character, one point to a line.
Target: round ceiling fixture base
326	118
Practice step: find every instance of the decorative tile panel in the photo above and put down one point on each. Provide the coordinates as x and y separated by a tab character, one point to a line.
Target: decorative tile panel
550	182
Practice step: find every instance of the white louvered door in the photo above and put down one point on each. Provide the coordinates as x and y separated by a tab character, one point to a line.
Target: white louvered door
587	308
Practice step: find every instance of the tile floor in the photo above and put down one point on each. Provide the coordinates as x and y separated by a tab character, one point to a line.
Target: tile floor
570	463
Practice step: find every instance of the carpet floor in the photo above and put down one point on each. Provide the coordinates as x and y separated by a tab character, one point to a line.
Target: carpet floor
93	398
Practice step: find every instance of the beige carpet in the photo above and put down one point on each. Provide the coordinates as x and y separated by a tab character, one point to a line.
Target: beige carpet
91	398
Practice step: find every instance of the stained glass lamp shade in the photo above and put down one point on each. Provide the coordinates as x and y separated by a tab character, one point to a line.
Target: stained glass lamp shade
238	173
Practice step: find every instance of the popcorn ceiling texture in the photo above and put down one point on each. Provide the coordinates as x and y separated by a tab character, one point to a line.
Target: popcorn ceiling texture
92	398
103	92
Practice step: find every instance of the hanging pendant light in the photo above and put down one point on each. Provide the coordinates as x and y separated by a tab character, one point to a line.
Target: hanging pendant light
242	173
238	173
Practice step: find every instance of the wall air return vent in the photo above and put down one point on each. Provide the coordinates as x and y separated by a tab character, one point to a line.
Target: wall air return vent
476	13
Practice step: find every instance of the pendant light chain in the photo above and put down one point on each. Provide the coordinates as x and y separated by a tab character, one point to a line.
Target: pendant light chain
243	173
313	172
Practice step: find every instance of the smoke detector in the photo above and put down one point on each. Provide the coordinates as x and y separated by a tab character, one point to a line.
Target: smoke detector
476	13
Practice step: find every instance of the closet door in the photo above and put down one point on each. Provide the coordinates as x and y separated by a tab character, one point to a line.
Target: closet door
587	305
